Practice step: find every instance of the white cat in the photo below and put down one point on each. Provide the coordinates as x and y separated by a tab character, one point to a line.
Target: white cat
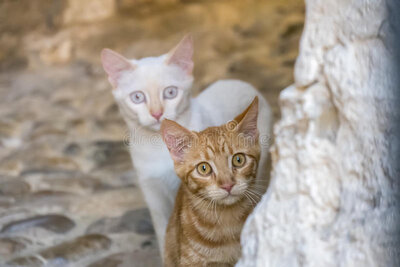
151	89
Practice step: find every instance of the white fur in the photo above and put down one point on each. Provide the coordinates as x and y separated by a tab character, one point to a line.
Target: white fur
218	104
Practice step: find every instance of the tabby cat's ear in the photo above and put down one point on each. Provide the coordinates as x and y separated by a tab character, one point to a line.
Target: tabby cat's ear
114	64
177	138
181	55
247	121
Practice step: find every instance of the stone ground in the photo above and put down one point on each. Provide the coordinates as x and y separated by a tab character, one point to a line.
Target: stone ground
68	195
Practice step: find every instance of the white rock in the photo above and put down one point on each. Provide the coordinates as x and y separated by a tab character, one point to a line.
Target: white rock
333	196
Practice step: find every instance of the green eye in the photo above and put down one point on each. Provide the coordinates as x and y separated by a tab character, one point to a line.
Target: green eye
204	168
238	160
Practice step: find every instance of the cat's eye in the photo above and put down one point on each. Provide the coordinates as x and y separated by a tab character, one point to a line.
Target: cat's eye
204	168
137	97
238	160
170	92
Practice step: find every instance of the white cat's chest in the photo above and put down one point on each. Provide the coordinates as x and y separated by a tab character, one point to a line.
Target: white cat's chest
151	159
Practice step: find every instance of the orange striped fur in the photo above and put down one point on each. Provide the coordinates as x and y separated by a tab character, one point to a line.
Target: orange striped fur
211	208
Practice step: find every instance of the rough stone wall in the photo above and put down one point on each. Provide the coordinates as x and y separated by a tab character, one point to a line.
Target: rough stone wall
333	194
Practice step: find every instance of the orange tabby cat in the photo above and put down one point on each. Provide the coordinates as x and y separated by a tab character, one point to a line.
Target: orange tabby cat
218	168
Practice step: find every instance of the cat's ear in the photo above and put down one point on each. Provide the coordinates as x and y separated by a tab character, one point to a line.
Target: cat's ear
114	64
177	138
247	121
181	55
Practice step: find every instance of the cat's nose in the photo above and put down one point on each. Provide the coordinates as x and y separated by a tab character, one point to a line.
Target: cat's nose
227	187
157	115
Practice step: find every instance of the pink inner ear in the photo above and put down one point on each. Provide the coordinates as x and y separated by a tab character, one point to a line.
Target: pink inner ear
177	138
114	64
250	130
248	124
177	145
182	54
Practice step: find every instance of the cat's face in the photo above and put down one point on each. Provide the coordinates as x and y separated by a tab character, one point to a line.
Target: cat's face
151	89
219	163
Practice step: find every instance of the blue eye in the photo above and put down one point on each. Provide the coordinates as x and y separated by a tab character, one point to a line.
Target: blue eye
137	97
170	92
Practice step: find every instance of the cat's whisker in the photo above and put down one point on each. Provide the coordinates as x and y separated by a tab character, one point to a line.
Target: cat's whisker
258	187
259	194
256	191
249	194
203	202
261	182
215	210
199	201
198	205
209	204
257	197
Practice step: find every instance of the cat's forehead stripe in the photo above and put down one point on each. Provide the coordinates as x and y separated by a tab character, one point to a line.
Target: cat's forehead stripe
209	152
225	147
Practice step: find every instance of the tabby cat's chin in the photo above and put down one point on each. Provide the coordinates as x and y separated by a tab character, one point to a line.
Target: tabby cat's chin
229	200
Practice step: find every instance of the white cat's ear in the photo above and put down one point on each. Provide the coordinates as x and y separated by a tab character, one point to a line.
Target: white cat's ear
177	138
247	121
114	64
181	55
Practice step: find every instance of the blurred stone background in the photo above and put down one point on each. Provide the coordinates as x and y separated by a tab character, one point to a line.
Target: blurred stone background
68	196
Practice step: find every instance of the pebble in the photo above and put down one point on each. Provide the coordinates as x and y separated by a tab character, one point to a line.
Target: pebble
78	248
51	222
138	221
9	246
144	258
14	187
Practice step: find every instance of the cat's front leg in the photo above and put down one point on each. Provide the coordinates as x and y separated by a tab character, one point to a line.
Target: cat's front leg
159	194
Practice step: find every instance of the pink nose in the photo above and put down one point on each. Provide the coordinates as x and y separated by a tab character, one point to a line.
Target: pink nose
227	187
157	115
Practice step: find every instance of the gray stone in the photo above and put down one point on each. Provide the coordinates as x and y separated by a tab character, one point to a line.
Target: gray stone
130	259
51	222
72	149
28	261
138	221
111	155
78	248
141	221
9	246
66	253
14	187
